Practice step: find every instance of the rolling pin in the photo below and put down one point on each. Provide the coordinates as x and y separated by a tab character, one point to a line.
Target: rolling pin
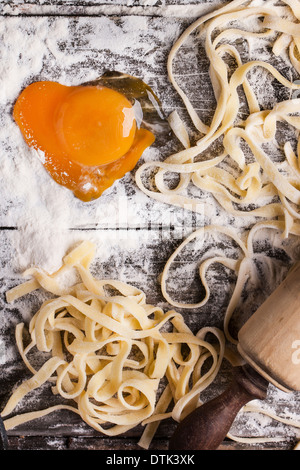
269	343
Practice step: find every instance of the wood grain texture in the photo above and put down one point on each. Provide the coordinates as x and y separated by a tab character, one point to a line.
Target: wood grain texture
97	443
76	41
97	7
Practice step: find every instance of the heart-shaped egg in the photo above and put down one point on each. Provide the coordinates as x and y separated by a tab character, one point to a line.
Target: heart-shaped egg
92	134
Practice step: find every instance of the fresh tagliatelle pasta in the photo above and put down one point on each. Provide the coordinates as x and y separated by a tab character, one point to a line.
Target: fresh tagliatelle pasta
259	187
244	179
111	353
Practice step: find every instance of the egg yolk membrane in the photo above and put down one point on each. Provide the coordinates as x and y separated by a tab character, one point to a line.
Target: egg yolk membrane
95	125
88	134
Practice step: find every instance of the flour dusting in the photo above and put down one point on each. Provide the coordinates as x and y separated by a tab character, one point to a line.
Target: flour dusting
134	235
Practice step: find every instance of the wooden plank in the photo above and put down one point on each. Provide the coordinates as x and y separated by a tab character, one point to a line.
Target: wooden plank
154	8
36	443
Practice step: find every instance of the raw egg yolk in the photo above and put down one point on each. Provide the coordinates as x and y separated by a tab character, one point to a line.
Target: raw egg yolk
95	125
88	134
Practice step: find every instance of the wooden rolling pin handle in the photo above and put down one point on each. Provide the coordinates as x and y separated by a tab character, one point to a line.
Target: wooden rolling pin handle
207	426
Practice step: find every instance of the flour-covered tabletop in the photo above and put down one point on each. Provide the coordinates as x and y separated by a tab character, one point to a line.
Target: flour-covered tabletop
75	42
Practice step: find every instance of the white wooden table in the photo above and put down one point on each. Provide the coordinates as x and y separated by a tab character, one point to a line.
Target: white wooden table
72	42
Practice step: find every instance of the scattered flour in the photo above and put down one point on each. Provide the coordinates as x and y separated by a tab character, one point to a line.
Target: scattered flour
47	218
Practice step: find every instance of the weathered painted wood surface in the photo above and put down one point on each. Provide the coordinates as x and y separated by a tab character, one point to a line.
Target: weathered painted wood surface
73	42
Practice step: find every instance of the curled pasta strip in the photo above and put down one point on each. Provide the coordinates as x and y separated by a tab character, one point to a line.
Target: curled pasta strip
252	408
242	264
110	353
